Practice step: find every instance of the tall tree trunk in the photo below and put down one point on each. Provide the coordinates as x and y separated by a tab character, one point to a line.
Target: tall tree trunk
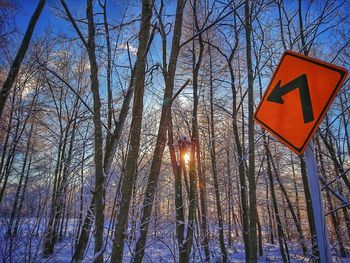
192	188
99	191
114	139
260	237
108	72
241	163
297	221
49	239
66	170
21	201
21	179
214	165
296	190
161	138
8	133
302	161
17	135
281	237
203	205
229	197
251	148
111	148
179	204
271	236
13	72
135	133
345	121
189	233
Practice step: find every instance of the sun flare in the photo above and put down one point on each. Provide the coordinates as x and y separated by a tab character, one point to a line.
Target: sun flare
187	157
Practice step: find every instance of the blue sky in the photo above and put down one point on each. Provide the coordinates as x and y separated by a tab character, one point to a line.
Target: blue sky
48	18
26	9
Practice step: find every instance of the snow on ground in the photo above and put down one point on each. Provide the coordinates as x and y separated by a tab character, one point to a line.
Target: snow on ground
161	247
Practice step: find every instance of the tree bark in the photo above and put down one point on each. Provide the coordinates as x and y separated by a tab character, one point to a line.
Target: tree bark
214	166
281	236
13	72
251	148
135	133
161	138
179	205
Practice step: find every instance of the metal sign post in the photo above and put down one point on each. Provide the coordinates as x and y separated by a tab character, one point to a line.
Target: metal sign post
293	119
316	199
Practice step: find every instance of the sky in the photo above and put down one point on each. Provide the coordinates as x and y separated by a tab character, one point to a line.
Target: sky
49	19
57	26
26	9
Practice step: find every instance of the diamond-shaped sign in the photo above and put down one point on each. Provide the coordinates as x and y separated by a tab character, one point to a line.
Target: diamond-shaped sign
297	98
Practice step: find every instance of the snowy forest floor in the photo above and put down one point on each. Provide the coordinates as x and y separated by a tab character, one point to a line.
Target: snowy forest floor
161	247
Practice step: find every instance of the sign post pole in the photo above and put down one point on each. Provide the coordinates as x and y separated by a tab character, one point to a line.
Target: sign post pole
316	199
293	118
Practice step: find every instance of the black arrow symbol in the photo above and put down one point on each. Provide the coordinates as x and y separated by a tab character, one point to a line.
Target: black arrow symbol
301	83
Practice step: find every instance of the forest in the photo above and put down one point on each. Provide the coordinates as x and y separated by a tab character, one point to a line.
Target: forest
127	132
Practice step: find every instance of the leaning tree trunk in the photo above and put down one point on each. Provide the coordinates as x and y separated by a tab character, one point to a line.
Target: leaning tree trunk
111	147
21	182
20	127
11	77
290	207
161	138
135	133
281	237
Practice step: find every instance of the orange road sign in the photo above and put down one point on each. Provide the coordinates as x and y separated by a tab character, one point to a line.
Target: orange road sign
297	98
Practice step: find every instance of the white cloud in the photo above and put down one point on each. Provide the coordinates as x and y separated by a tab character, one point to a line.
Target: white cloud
132	49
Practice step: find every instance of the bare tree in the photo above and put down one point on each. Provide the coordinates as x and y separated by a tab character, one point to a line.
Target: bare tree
135	130
13	72
169	77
